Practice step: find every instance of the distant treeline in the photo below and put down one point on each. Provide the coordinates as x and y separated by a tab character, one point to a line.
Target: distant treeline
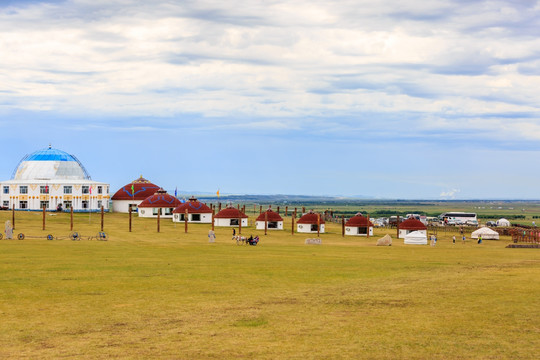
498	216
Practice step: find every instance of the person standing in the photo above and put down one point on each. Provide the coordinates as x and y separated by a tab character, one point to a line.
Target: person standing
479	239
9	230
463	238
211	236
454	239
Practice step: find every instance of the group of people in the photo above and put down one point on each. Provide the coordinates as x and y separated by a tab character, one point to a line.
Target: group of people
463	238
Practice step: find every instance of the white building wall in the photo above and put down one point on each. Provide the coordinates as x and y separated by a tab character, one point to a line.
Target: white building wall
206	218
306	228
259	225
12	194
122	206
403	232
227	222
353	231
147	212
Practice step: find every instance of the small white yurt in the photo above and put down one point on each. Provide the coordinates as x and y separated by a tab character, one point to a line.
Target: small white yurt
487	234
411	225
415	238
503	222
309	223
273	221
359	225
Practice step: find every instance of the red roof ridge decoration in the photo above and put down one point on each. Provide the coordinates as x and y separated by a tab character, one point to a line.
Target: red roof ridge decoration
412	224
310	218
160	199
193	206
358	220
142	189
272	216
230	212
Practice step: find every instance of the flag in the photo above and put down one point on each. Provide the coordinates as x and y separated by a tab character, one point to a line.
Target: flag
217	193
132	190
90	190
176	192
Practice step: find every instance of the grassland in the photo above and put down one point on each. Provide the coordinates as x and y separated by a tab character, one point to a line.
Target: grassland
173	295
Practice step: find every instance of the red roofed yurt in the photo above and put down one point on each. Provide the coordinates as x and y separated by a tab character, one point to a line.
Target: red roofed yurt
275	222
410	225
308	223
230	216
132	194
197	212
159	202
358	225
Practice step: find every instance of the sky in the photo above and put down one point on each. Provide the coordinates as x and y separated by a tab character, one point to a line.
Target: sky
383	99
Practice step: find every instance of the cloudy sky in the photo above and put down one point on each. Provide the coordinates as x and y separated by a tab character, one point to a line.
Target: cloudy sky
410	99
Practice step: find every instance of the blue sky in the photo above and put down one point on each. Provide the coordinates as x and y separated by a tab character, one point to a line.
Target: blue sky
409	99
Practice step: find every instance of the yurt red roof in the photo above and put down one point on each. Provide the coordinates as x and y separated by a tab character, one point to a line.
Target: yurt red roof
193	206
160	200
272	216
412	224
230	213
310	218
142	189
358	220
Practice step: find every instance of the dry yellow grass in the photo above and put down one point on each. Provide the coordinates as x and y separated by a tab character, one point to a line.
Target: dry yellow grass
174	295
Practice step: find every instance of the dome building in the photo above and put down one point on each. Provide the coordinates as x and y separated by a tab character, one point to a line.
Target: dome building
230	216
133	194
308	223
197	212
410	225
358	225
275	221
161	203
53	179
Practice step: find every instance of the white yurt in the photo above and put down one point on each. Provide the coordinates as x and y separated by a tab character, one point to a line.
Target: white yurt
230	216
273	221
415	238
487	234
198	212
411	225
503	222
359	225
309	222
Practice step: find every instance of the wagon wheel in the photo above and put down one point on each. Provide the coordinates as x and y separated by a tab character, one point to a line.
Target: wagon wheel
75	236
20	236
102	236
50	237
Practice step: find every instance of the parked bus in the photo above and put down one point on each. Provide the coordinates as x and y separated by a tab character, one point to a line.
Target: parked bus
459	218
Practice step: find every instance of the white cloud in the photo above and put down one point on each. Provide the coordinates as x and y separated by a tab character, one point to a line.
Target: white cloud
450	194
446	61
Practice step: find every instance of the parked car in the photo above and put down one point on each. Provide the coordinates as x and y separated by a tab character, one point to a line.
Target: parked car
491	223
471	222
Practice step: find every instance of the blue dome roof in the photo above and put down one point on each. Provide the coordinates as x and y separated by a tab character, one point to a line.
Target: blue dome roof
50	154
50	164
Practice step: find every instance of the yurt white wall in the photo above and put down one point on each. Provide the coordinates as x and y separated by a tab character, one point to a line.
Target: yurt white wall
355	231
227	222
272	225
202	218
309	228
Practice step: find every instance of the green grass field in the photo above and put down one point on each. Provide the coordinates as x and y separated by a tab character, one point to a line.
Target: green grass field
173	295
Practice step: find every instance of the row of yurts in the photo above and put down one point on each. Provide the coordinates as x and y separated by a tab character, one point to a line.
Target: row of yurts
151	200
54	179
